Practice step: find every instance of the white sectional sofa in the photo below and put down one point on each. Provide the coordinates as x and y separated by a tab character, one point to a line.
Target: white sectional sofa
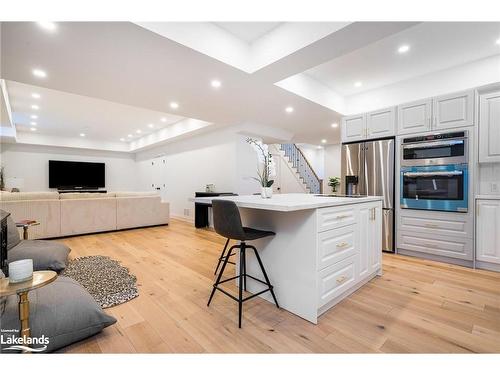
70	214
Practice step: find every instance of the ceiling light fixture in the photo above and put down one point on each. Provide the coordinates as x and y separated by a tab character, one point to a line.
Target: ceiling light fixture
289	109
358	84
138	131
215	83
33	129
334	125
82	134
174	105
34	106
39	73
404	48
34	117
33	123
50	26
130	135
122	139
319	147
323	141
163	119
35	95
498	41
151	126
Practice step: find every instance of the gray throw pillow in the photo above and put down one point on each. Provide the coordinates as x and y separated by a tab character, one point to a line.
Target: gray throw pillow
46	255
13	237
62	311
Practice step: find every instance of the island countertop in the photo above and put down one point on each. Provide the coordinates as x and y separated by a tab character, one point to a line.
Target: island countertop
289	202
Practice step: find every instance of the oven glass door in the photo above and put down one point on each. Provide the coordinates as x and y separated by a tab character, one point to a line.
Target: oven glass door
442	188
450	151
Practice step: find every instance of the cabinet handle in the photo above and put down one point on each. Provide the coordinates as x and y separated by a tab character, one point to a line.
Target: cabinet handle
341	216
342	244
341	280
431	245
431	225
372	213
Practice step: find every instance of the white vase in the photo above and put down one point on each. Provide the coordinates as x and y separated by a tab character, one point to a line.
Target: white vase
266	192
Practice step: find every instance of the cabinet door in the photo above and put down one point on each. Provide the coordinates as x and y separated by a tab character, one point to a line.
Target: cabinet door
488	231
381	123
489	128
453	110
354	128
414	117
370	239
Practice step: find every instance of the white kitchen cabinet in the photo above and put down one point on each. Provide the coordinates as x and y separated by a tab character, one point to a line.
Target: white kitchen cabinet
488	230
381	123
370	223
489	127
354	128
453	110
415	117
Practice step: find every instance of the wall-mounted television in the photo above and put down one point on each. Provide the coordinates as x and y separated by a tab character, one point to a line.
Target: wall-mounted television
75	175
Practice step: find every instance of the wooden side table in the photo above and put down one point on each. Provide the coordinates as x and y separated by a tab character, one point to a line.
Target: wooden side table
40	278
26	224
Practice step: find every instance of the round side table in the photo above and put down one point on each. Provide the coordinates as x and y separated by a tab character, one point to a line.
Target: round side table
26	225
40	279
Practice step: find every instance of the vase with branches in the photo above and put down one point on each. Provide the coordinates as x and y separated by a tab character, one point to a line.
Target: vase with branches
266	168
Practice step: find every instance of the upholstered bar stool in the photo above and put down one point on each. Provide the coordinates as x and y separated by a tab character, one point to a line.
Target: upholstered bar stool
227	223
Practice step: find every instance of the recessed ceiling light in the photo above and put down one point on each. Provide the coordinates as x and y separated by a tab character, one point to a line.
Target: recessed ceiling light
51	26
130	135
404	48
82	134
34	106
33	123
334	125
163	119
289	109
215	83
151	126
122	139
498	41
323	141
39	73
174	105
319	147
34	117
358	84
35	95
33	129
138	131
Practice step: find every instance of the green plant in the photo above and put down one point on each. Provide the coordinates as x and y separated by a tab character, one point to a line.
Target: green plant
333	182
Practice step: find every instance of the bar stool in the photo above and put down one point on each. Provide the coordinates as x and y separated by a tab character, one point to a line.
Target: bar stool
227	223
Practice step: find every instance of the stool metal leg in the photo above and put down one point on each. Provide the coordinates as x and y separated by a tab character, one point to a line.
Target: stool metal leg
265	274
220	274
221	258
244	269
240	283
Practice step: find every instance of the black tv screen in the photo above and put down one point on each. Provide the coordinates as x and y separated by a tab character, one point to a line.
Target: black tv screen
75	174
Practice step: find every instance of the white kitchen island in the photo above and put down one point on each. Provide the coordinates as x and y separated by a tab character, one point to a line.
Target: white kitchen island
324	248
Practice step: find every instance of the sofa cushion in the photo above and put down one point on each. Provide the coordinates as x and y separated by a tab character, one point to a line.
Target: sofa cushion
46	255
86	195
13	237
26	196
122	194
62	311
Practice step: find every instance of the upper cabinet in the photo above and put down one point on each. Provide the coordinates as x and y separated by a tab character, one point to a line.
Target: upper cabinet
415	117
489	127
453	110
376	124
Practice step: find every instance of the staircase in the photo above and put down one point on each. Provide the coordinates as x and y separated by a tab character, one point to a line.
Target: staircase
299	162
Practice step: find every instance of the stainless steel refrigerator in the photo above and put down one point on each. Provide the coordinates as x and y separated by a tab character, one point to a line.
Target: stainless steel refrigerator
368	169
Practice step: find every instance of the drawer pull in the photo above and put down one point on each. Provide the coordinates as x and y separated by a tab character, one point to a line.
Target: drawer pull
341	280
431	245
341	216
342	244
431	225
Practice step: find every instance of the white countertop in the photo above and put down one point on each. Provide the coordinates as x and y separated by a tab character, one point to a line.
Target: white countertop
288	202
484	196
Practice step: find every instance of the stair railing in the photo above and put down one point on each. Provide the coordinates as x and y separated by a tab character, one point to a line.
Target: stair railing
301	164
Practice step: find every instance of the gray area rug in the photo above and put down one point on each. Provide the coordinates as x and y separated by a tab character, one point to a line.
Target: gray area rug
104	278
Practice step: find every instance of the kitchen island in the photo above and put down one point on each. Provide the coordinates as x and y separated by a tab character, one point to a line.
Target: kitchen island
324	248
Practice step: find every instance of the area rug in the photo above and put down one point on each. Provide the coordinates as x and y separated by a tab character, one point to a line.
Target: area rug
104	278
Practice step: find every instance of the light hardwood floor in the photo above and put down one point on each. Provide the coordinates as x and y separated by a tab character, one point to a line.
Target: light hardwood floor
417	306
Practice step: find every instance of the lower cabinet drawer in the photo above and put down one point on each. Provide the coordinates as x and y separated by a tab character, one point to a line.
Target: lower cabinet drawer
439	223
448	246
335	245
336	279
335	217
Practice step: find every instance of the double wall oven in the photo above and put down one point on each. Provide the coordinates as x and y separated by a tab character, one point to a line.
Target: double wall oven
434	172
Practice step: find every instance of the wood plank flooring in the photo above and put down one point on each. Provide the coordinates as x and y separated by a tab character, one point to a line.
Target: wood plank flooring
417	306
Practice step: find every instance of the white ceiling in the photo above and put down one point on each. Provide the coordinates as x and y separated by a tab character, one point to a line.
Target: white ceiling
248	32
434	46
68	115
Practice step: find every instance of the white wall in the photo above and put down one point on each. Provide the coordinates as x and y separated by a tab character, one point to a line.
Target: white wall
222	158
31	163
332	164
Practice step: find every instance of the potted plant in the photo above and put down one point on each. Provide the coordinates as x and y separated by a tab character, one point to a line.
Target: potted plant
333	182
268	169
